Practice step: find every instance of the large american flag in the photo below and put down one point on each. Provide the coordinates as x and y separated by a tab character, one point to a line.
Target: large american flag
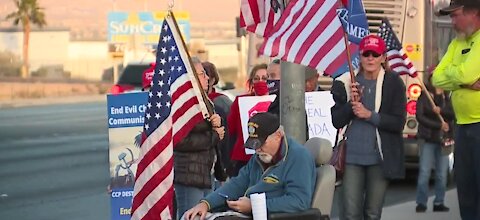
309	32
259	16
174	106
396	56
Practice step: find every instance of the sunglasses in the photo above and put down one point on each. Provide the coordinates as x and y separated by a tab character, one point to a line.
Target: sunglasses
368	53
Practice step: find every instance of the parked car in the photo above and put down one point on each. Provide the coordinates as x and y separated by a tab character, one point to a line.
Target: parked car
130	78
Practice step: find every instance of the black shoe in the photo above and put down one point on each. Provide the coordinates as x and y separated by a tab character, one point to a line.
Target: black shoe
421	208
440	208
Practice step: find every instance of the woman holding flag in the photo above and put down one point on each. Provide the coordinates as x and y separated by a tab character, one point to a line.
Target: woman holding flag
372	107
195	155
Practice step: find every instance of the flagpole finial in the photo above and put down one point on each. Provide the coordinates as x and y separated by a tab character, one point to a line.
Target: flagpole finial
171	3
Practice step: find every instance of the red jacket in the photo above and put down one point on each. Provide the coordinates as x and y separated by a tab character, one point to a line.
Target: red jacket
235	129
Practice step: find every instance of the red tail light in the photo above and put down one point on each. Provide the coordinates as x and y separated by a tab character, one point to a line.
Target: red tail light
414	91
116	89
412	107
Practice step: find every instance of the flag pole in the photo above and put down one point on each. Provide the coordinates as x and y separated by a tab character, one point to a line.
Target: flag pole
207	102
349	58
430	99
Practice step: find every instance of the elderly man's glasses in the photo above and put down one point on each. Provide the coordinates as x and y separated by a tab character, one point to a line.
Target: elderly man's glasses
368	53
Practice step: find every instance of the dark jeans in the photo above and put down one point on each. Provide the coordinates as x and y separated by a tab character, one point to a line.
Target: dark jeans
188	196
467	170
364	190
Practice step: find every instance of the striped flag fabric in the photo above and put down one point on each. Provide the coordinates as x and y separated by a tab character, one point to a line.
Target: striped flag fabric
309	32
396	56
251	12
174	107
259	16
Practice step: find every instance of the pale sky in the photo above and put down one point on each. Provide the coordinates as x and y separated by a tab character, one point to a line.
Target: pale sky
200	10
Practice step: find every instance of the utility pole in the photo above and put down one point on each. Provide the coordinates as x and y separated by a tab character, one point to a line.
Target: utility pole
292	100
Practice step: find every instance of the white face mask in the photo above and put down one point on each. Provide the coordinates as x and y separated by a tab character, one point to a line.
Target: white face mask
264	157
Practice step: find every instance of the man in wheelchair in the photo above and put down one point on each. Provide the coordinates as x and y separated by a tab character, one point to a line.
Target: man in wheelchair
282	169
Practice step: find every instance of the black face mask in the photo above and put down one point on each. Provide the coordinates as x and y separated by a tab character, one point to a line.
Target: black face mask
273	86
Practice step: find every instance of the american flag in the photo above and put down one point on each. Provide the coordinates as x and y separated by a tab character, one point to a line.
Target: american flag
259	16
396	56
174	107
309	33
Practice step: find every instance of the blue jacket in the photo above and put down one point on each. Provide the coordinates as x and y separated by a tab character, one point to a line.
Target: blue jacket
288	185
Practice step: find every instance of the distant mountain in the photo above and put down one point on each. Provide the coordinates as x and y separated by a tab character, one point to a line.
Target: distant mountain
87	19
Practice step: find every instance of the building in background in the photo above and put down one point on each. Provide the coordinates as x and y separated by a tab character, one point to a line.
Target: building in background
48	48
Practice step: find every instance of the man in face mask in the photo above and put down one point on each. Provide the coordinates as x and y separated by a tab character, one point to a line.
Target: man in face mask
311	85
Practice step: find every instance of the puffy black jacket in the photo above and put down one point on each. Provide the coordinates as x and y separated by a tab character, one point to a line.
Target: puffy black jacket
429	125
194	156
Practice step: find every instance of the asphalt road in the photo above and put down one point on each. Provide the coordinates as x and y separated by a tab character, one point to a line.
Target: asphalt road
54	164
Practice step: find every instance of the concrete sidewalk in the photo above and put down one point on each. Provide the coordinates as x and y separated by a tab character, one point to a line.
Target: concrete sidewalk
406	210
51	100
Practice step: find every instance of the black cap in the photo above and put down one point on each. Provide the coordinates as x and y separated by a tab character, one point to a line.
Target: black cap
260	126
457	4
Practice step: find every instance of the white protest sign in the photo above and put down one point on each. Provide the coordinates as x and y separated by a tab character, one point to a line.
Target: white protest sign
319	118
248	107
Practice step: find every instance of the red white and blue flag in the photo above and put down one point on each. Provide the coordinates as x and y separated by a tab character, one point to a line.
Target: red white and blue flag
174	107
259	16
309	32
396	56
355	24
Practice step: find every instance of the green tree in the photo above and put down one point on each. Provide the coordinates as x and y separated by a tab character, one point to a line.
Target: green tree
28	13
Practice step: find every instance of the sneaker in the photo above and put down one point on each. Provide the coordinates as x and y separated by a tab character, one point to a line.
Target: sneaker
440	208
421	208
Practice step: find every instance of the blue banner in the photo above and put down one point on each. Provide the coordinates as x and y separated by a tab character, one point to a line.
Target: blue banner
126	110
121	203
354	21
126	114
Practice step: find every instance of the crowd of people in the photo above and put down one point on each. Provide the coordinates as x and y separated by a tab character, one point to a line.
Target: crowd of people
213	172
